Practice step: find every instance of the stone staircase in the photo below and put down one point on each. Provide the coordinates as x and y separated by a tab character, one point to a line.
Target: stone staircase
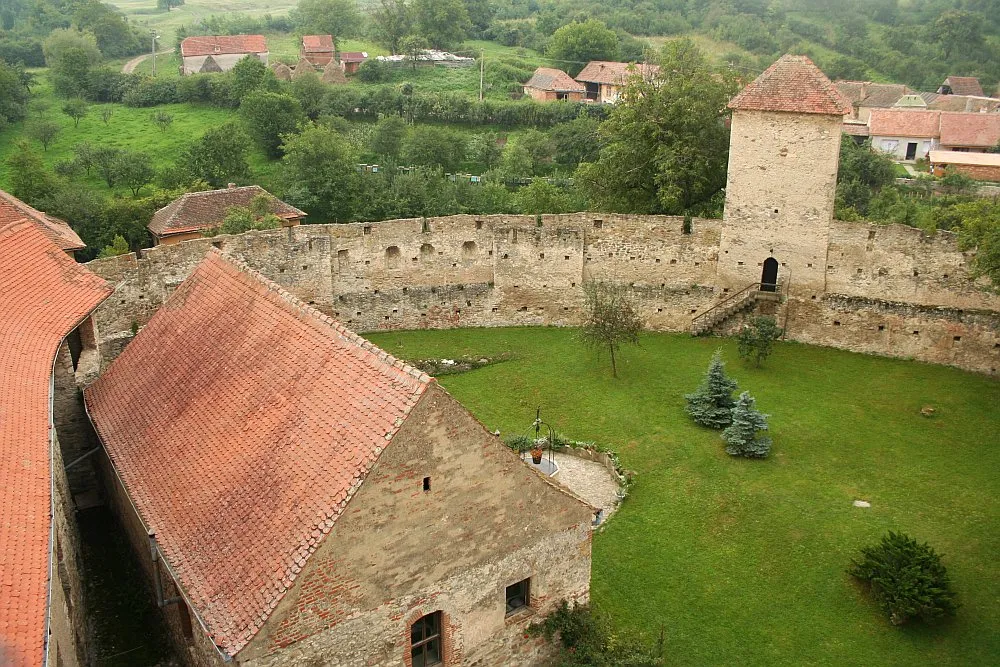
742	301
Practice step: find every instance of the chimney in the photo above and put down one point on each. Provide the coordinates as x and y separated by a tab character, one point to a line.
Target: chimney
864	90
231	186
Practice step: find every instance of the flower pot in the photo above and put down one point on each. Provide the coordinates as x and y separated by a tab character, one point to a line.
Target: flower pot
536	456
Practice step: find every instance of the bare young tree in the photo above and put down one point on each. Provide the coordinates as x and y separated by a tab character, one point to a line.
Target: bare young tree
611	319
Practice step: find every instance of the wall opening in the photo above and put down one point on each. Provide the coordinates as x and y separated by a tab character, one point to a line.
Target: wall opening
426	251
769	276
392	256
469	249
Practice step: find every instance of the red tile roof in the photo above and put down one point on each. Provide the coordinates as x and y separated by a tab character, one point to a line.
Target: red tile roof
241	422
196	211
793	84
615	74
353	56
214	44
964	85
317	43
871	95
855	129
973	130
916	123
44	295
55	229
547	78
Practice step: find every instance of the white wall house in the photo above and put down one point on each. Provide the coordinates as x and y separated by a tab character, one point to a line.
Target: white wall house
220	53
905	134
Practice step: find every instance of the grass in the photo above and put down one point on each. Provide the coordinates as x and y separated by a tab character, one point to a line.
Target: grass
144	12
743	562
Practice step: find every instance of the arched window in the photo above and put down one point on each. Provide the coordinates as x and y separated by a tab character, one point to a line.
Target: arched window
392	256
426	251
425	641
469	249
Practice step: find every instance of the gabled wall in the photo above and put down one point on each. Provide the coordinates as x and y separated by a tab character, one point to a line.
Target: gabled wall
399	552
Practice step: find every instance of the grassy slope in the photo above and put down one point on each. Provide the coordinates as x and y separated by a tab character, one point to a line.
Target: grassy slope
742	562
144	12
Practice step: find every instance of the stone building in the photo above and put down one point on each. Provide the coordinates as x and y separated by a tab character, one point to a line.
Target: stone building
604	80
220	53
308	499
193	213
548	85
46	339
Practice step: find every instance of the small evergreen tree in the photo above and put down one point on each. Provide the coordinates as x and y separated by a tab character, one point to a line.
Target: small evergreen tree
712	403
741	436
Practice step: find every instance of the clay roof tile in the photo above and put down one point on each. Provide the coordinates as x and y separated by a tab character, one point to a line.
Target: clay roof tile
792	84
196	211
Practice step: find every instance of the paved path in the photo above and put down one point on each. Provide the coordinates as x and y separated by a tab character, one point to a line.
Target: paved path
130	66
589	480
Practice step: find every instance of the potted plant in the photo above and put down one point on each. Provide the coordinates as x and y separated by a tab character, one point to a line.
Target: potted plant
519	443
536	451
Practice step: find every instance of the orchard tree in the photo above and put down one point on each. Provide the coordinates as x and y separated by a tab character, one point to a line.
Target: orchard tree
712	403
107	161
269	117
413	46
168	4
543	197
483	149
13	95
162	120
433	146
391	21
135	170
756	339
251	74
610	319
664	148
443	23
219	157
387	140
579	43
76	109
742	436
28	178
70	55
320	172
44	131
339	18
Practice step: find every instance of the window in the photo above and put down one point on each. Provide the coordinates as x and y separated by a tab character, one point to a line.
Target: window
889	145
425	640
518	596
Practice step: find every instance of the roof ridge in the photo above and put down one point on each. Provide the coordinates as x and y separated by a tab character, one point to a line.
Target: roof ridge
346	334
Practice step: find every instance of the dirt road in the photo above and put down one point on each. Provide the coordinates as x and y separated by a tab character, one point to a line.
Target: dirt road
130	66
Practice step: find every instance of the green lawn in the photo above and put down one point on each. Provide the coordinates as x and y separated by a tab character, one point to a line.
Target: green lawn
742	562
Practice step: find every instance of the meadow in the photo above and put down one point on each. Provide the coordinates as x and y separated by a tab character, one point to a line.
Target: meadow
741	561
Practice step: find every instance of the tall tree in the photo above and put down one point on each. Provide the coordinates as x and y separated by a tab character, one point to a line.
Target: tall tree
70	55
269	117
664	146
981	230
44	131
320	170
610	319
391	21
250	74
957	28
135	170
13	94
578	43
29	180
339	18
219	157
387	140
443	23
168	4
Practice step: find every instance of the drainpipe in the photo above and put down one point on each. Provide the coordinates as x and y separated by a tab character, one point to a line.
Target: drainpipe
154	551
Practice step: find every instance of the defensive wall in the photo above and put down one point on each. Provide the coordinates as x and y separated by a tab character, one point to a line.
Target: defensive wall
890	290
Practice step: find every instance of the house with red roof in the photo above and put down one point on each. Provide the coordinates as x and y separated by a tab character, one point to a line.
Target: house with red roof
350	61
548	84
961	85
58	231
299	495
193	213
46	299
970	132
220	53
319	50
604	80
905	134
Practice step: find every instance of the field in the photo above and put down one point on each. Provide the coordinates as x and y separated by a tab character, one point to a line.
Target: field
743	562
144	12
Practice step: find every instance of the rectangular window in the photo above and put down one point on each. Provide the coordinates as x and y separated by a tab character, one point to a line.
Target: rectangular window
518	596
425	640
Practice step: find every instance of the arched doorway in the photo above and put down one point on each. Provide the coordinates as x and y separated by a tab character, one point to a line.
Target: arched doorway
769	276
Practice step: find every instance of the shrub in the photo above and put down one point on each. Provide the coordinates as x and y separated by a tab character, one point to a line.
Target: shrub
906	578
756	340
712	403
519	443
586	638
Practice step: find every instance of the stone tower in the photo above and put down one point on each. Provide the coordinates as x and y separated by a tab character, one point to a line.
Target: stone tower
783	157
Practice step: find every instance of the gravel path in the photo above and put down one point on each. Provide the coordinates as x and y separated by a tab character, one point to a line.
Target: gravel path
130	66
589	480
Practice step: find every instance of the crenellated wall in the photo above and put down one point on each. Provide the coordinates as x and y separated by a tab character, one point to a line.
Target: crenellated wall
476	271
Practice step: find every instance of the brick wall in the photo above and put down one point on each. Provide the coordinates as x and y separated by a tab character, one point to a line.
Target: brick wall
463	271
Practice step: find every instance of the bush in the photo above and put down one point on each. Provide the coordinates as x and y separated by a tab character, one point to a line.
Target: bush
374	71
906	578
756	340
151	93
586	638
519	443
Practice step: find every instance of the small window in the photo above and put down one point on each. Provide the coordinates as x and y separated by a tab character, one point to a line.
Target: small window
598	224
479	224
368	229
425	640
427	480
518	596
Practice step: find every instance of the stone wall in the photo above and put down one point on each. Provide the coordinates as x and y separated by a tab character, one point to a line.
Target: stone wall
473	271
399	552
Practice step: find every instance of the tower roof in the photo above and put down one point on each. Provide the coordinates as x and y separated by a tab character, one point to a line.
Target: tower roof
792	84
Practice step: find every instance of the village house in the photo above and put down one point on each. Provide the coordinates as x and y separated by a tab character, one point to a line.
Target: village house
46	339
308	498
548	84
961	85
317	49
966	103
865	96
194	213
904	134
55	229
969	132
980	166
350	61
604	80
220	53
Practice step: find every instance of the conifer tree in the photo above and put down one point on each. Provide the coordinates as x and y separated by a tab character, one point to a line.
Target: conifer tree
712	403
741	436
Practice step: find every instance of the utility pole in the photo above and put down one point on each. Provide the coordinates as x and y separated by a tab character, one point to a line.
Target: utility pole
154	36
482	65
